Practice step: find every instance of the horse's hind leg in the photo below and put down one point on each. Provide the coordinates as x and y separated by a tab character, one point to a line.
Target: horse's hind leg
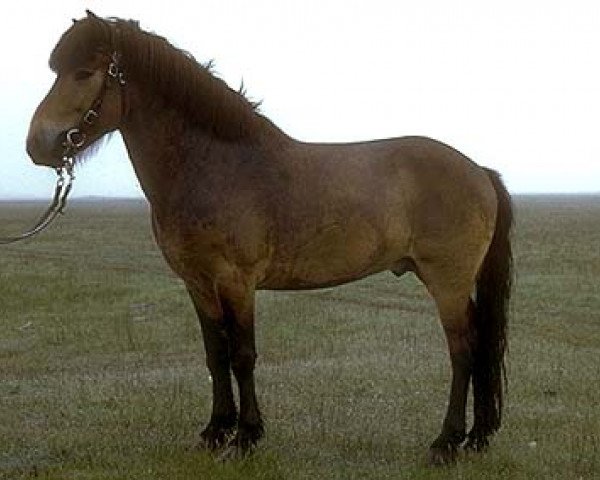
456	314
451	284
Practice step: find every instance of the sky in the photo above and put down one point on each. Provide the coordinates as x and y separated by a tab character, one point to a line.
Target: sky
514	85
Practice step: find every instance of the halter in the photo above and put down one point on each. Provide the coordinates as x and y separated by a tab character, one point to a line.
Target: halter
75	137
74	140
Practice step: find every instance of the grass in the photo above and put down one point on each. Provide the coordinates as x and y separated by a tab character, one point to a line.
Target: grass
102	370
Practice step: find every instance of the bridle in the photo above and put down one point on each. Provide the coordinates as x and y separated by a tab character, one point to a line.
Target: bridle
74	139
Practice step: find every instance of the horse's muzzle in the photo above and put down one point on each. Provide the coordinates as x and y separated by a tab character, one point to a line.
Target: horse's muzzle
45	146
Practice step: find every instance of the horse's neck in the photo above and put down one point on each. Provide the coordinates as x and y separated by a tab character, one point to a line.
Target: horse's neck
166	150
153	137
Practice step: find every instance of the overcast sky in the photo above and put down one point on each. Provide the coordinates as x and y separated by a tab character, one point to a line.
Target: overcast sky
515	85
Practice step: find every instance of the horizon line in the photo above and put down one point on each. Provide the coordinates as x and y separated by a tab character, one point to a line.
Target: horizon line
7	199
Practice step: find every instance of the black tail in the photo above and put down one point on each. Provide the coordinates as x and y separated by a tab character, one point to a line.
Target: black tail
491	319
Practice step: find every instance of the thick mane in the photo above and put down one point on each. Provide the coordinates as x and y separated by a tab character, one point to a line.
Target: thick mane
161	70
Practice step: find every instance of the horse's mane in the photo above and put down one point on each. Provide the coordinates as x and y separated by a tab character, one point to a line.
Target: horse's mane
163	70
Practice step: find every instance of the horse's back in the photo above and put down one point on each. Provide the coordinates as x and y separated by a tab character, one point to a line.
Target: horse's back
416	186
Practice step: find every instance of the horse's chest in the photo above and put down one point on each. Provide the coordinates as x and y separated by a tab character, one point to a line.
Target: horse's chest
187	251
217	251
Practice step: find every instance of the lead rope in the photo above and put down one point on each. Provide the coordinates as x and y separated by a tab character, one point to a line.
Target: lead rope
64	183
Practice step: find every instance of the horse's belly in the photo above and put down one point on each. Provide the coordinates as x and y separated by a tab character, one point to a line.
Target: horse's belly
336	254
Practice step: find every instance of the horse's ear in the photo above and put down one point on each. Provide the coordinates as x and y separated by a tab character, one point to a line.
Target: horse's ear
74	21
91	14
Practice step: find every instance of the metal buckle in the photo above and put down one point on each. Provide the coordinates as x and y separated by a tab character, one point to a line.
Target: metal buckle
90	116
114	71
72	142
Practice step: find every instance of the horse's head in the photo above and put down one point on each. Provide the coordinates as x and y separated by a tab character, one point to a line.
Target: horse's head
85	101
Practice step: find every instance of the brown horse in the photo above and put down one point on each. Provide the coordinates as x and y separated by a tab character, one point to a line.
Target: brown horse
237	206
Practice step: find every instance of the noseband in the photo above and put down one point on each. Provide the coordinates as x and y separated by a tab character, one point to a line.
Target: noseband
74	139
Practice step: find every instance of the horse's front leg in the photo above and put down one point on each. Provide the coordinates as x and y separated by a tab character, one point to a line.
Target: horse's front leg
238	314
223	419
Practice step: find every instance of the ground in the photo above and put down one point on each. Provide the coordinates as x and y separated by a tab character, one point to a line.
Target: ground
102	370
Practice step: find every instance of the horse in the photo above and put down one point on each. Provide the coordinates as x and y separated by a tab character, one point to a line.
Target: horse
237	206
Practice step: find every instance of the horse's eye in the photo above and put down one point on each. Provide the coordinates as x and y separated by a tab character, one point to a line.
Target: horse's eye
83	74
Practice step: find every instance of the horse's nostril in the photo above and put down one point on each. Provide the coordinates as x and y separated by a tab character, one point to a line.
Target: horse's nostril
43	148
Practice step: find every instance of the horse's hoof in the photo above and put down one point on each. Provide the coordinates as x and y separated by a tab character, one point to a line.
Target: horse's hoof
215	438
236	449
441	455
234	452
476	443
242	444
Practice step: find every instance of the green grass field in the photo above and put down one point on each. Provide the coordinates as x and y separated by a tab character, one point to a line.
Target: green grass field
102	368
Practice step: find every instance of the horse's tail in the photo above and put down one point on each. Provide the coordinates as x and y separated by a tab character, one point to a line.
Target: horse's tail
491	317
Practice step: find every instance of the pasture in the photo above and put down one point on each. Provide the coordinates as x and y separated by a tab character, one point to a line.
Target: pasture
102	370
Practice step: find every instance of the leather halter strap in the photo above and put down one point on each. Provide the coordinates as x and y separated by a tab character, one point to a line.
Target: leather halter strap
76	136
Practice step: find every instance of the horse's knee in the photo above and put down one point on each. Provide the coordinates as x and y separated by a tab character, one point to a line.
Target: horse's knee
217	364
217	350
243	361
